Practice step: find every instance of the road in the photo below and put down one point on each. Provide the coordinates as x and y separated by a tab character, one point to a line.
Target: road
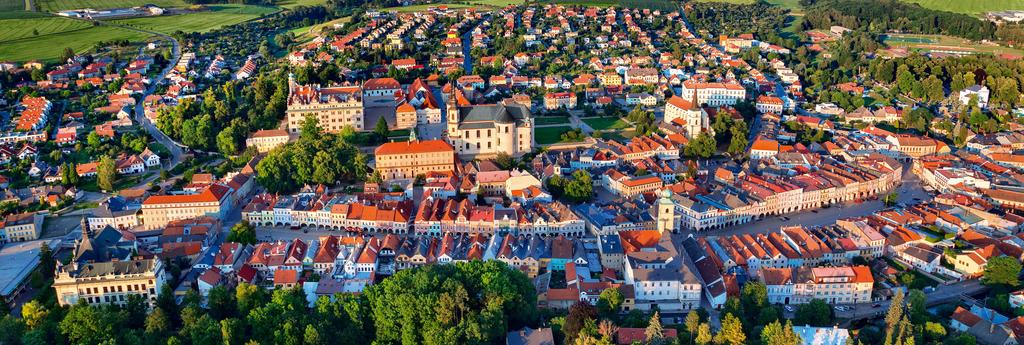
941	294
140	113
467	44
908	190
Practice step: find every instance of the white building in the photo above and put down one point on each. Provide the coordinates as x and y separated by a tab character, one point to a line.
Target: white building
822	335
975	90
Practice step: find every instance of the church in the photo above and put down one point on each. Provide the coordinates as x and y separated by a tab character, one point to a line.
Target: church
485	130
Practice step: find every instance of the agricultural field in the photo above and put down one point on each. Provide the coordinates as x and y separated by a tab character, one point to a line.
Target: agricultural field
928	43
15	29
289	4
971	6
11	5
49	47
218	16
605	123
60	5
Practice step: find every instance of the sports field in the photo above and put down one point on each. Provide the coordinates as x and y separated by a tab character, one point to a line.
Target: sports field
48	47
971	6
941	43
218	16
60	5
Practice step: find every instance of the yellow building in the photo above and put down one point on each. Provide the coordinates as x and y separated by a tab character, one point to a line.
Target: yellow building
267	139
22	227
405	160
334	107
103	271
158	210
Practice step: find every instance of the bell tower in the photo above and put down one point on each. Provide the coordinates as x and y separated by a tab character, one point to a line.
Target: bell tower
666	213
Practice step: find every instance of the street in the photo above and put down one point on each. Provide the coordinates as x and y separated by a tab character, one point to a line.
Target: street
941	294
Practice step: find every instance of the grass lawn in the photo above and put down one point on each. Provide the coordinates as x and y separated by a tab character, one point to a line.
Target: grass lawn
218	16
550	120
296	3
970	6
549	135
60	5
14	29
605	123
49	47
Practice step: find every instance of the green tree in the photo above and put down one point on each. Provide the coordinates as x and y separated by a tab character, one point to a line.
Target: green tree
703	146
1001	270
106	173
776	334
84	324
731	332
93	139
692	323
243	233
703	334
654	333
815	313
34	314
609	302
47	264
381	129
157	323
916	303
581	188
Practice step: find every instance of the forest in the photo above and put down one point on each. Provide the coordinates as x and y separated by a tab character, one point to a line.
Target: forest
464	303
882	16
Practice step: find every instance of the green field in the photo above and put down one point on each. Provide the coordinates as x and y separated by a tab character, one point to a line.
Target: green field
971	6
49	47
60	5
218	16
498	3
296	3
605	123
12	5
549	135
14	29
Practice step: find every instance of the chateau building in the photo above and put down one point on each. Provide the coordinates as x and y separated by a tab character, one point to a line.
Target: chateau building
335	107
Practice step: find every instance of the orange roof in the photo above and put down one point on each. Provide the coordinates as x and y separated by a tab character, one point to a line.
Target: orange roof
212	193
405	108
765	145
286	277
395	148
